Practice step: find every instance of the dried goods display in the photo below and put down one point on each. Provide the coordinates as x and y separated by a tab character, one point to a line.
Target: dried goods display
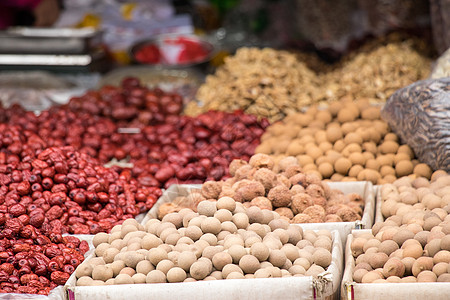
346	141
410	200
61	191
377	74
33	262
191	150
264	82
184	82
413	243
273	84
420	115
297	197
260	182
402	254
171	149
223	240
129	102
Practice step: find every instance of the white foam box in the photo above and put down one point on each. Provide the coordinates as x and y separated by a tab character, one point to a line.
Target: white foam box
326	286
351	290
363	188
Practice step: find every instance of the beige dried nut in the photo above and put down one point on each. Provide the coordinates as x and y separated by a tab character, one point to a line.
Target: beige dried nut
301	218
316	212
262	203
167	208
260	160
280	196
347	214
211	189
315	190
235	165
300	202
285	212
266	177
249	191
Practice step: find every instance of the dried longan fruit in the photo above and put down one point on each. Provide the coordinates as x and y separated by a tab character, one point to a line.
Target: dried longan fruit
342	165
355	170
357	158
326	169
353	137
422	170
333	134
403	168
339	145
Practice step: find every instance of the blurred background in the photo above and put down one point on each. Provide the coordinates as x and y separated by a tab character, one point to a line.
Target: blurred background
82	41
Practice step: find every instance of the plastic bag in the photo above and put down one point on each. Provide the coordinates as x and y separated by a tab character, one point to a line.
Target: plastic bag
420	115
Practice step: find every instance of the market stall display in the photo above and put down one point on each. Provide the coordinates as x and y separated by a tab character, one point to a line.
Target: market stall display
65	191
377	73
273	84
410	238
191	150
403	286
297	197
247	157
265	82
410	200
223	240
144	126
177	197
34	258
345	141
184	82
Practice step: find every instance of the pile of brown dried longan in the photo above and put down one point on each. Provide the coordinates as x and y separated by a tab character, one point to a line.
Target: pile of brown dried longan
346	141
413	243
417	200
223	240
283	187
402	254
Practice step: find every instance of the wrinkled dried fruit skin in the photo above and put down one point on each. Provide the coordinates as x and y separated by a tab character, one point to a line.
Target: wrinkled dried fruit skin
93	188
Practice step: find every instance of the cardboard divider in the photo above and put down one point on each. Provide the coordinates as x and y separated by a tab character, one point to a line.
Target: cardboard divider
378	215
324	287
351	290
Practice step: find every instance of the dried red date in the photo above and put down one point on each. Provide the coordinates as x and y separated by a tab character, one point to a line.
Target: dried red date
25	279
59	277
54	212
27	290
37	220
41	270
21	248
